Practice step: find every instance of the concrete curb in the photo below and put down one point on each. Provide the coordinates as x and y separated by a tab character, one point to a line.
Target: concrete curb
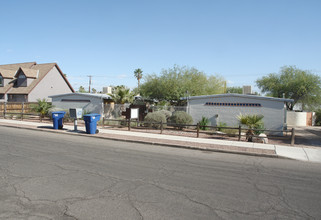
149	142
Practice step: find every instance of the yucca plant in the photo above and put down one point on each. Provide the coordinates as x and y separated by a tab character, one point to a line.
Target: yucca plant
252	122
203	123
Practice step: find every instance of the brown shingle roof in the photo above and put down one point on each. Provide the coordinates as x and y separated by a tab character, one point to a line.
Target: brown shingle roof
16	66
30	73
31	69
5	89
43	70
9	74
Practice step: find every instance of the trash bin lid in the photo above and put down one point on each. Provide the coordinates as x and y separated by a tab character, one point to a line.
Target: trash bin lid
92	117
58	114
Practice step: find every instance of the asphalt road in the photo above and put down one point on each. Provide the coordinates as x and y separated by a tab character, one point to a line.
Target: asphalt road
56	176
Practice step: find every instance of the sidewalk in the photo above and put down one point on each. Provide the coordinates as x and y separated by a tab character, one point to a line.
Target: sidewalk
248	148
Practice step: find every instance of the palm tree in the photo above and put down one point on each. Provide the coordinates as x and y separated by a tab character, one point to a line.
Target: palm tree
122	95
42	107
139	75
252	122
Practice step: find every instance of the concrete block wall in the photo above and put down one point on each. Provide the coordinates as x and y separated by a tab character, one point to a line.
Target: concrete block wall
273	111
95	104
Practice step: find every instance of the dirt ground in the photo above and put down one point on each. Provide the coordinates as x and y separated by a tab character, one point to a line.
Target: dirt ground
307	136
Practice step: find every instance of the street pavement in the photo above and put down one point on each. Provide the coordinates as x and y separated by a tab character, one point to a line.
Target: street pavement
311	154
50	175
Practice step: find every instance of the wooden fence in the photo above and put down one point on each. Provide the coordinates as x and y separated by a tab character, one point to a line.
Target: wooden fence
17	109
236	131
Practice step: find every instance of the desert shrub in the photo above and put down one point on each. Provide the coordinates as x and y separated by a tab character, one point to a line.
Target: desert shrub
181	118
230	132
221	126
204	122
318	117
67	116
252	122
260	128
153	119
167	114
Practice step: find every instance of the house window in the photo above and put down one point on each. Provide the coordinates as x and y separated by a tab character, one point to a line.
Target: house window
1	96
1	81
21	81
17	98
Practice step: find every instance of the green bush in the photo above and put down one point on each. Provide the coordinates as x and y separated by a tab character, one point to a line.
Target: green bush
155	117
261	129
252	122
167	114
221	126
42	107
181	118
318	117
230	132
204	122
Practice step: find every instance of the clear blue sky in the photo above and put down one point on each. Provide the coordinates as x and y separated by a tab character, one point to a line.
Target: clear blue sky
241	40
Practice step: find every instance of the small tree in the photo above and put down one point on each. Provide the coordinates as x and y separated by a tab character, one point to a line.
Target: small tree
252	122
42	107
82	89
318	117
121	95
235	89
177	82
300	85
139	75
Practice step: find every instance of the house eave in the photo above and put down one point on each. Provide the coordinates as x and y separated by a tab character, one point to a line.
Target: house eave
237	95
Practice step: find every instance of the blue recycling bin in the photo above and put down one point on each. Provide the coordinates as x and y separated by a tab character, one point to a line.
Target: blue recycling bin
57	119
91	123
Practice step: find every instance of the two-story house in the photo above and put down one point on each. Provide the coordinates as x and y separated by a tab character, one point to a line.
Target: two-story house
27	82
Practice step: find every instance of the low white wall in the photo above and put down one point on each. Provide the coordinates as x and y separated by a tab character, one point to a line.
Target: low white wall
296	118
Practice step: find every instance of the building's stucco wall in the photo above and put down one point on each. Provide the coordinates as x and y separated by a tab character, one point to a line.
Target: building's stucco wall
4	96
95	104
29	81
6	81
273	111
52	84
297	118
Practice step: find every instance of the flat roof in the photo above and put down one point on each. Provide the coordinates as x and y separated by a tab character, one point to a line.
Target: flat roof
102	96
238	95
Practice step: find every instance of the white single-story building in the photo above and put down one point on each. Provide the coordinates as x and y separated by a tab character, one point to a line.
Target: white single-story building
224	108
90	103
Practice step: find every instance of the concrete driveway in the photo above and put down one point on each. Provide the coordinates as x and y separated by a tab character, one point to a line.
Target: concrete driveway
308	136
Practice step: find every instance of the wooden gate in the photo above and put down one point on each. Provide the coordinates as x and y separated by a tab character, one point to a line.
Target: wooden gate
309	118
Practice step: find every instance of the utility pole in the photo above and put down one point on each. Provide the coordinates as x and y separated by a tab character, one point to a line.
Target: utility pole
89	82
